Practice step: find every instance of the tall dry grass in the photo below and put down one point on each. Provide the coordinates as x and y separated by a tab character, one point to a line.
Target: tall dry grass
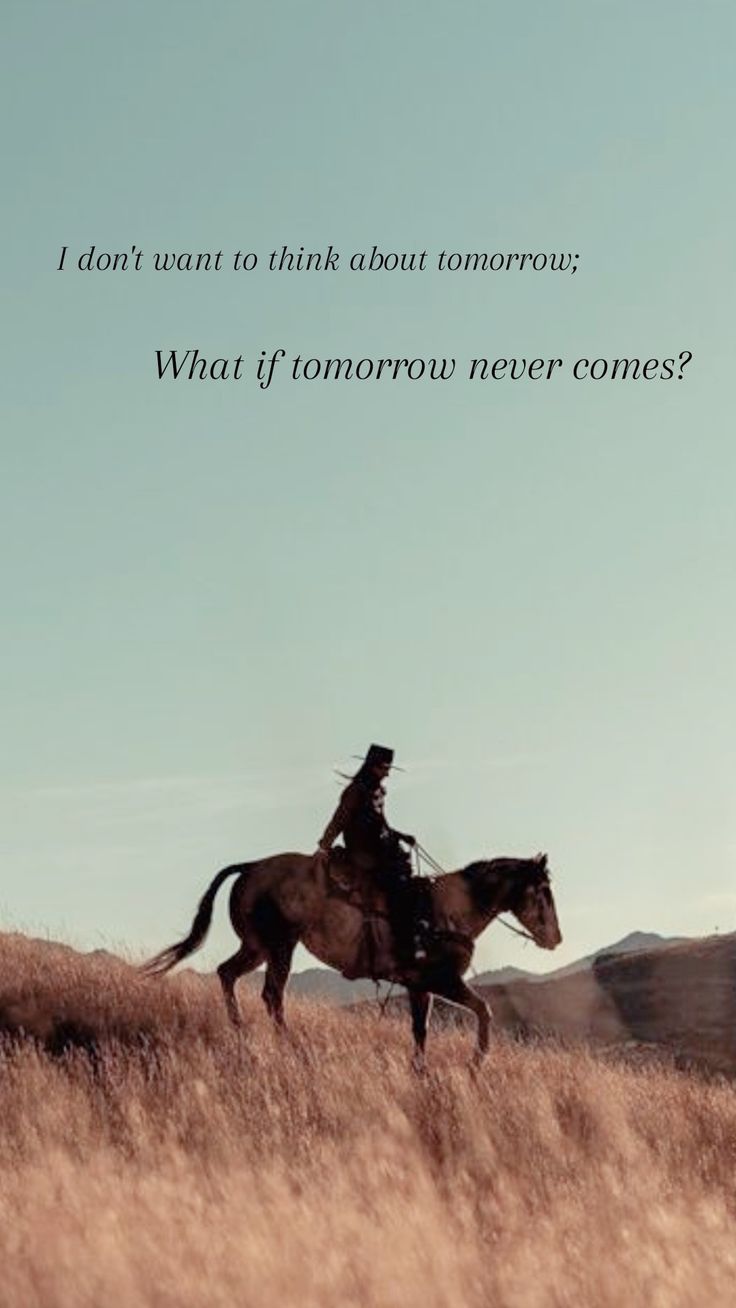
190	1167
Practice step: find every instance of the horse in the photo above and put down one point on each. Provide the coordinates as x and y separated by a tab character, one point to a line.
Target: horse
340	915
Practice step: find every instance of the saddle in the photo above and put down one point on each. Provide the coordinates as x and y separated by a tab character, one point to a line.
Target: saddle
369	889
355	885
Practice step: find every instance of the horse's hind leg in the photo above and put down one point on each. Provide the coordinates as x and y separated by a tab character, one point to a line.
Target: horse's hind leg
246	959
277	974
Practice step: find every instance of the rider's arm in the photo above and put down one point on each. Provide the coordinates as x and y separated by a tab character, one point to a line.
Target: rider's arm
344	811
406	840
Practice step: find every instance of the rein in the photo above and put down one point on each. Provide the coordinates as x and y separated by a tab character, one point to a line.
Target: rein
423	855
517	932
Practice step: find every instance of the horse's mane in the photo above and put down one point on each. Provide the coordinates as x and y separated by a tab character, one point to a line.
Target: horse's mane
507	866
477	868
484	867
487	877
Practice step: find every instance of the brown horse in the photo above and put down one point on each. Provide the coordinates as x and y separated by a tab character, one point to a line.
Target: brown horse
341	917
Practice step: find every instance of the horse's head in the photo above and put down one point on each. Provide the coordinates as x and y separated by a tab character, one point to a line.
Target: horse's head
520	886
532	903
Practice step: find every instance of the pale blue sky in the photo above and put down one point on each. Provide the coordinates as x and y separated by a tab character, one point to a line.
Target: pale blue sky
211	595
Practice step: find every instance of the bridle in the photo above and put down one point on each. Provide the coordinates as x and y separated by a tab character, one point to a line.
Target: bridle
422	855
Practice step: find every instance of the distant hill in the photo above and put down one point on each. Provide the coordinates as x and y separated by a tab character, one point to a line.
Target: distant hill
634	942
328	986
680	995
323	984
502	976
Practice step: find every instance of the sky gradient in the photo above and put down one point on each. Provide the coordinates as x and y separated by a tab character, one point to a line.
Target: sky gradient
212	595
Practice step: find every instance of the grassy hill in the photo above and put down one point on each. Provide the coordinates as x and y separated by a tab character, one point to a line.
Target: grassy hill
151	1157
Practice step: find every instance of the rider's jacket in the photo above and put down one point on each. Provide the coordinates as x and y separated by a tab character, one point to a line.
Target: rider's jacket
360	820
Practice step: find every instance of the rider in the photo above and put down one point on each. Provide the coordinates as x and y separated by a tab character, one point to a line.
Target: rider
372	844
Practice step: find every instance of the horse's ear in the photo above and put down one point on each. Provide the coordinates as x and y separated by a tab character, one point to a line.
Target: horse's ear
541	859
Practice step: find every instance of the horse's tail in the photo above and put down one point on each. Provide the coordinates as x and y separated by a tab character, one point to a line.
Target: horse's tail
169	958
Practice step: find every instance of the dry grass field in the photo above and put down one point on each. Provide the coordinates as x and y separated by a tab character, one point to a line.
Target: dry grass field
161	1160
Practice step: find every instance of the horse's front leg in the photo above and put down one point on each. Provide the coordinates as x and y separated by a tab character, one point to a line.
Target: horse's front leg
455	989
421	1007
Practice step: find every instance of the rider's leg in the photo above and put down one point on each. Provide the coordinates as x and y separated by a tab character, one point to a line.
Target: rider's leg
402	903
423	910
